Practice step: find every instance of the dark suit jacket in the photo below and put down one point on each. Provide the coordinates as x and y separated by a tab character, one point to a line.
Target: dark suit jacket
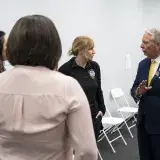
149	103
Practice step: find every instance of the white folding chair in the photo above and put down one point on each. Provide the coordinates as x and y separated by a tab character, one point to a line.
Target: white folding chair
117	93
113	122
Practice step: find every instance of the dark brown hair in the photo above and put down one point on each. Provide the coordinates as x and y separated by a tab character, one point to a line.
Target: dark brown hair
2	34
34	41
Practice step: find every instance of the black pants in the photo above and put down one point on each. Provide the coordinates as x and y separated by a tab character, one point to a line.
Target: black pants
149	145
97	125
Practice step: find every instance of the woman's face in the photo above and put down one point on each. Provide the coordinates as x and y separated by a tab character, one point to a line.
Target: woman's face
89	54
4	48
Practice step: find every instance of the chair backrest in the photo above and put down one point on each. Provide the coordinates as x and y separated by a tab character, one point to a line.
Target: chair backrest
117	92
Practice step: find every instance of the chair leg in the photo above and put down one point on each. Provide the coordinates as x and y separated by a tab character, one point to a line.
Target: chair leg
109	141
128	129
118	126
122	137
135	119
100	155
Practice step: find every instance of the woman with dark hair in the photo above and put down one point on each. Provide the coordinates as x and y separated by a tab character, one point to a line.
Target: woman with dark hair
40	108
2	50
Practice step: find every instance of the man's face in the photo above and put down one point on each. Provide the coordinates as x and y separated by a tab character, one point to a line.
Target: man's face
148	46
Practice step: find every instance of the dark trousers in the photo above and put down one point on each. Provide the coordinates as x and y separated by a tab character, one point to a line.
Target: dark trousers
149	145
97	125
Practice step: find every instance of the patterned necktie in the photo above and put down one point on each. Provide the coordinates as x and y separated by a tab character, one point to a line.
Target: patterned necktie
151	71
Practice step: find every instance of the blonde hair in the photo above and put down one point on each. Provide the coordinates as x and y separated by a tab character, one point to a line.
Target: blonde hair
80	44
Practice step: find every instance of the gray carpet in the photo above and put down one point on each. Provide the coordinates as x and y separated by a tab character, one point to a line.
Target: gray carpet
123	152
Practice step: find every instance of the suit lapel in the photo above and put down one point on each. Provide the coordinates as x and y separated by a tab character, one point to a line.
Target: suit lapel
146	71
156	76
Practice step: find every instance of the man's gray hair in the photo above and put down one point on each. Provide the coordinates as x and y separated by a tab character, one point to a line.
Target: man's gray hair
155	32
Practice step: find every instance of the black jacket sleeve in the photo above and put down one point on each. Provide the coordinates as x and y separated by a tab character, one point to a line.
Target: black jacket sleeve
135	85
99	95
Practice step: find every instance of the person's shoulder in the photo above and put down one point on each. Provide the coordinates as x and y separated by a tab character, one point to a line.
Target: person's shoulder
144	61
63	77
6	73
66	80
66	66
94	64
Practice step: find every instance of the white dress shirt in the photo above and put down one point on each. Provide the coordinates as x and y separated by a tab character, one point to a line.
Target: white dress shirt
157	60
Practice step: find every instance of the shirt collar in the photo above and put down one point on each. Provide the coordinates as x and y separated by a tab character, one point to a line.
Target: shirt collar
74	64
157	60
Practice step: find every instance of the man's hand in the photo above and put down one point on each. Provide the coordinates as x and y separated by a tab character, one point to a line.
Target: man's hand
142	88
99	114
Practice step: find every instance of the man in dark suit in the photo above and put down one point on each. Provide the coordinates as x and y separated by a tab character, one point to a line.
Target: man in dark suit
146	90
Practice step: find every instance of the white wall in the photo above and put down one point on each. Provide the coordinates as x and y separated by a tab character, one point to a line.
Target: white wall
115	25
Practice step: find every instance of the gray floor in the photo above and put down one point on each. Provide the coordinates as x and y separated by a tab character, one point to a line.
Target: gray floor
129	152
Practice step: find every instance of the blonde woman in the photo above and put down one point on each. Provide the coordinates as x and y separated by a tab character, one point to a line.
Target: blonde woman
87	73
